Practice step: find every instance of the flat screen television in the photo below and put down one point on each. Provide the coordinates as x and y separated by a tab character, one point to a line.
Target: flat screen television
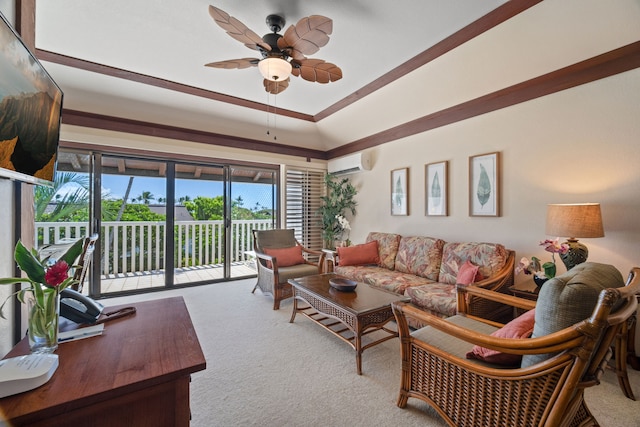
30	112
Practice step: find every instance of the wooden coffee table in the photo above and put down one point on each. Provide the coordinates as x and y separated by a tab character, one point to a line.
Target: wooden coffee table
348	315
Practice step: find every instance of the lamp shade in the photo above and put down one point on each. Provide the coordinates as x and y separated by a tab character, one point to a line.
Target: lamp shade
580	220
275	69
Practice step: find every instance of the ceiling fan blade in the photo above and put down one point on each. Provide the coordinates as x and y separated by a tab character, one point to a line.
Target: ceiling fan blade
275	87
234	63
307	36
237	29
316	70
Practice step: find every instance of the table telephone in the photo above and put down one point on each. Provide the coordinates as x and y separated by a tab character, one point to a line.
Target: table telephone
79	308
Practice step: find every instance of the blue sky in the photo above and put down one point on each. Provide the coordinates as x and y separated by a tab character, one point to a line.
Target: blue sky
116	186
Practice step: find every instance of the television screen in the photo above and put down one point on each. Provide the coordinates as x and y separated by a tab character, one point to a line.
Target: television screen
30	109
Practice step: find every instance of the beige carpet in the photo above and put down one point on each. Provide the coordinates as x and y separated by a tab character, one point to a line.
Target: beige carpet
264	371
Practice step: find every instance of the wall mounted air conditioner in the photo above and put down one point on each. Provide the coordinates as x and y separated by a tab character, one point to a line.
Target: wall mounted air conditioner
350	164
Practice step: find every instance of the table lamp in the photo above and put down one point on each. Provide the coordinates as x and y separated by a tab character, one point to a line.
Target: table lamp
580	220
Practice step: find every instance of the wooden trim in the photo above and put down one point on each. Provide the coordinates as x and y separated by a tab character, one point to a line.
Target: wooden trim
118	124
608	64
490	20
163	156
26	22
45	55
487	22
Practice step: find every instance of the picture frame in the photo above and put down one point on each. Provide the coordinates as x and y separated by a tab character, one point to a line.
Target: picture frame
400	191
484	184
436	188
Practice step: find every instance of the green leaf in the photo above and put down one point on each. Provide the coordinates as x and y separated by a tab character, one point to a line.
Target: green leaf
29	263
549	269
73	252
484	187
436	192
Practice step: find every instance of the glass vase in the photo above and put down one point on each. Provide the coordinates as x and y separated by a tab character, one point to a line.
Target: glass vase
43	307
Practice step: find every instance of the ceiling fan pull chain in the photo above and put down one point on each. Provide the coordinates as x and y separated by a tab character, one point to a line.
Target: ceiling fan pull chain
275	116
268	133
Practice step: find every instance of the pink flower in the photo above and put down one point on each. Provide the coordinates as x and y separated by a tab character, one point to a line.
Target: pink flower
56	274
554	247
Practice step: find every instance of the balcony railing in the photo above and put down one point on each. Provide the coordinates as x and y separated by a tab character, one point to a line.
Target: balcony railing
138	246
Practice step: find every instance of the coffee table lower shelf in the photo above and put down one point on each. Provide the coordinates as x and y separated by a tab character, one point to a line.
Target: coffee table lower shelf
346	324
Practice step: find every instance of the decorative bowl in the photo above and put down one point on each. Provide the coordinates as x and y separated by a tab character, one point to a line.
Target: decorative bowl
342	284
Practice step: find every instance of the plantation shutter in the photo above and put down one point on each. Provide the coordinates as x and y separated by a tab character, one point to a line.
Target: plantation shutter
304	187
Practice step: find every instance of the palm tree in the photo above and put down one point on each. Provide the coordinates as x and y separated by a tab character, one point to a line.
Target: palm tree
70	191
146	197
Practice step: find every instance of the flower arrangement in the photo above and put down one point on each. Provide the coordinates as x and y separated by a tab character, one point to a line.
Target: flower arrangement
343	223
45	281
548	269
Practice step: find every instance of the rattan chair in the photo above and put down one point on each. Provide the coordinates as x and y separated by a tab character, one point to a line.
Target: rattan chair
469	392
84	262
272	278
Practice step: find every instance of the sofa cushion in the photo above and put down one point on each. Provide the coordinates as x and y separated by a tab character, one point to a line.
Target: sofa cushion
570	298
519	328
359	273
420	256
366	253
387	247
286	257
489	257
434	297
394	281
468	274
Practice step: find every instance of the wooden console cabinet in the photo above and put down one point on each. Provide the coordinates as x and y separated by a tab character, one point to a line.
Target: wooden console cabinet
136	373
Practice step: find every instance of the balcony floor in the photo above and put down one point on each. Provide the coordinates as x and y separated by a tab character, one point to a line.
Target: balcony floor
140	280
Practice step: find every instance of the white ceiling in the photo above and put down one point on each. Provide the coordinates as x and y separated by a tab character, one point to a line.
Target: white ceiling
173	39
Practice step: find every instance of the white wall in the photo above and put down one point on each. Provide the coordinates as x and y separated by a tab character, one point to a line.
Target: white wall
579	145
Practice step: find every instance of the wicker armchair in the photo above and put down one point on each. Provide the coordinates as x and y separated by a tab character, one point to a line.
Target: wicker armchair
84	262
545	392
272	277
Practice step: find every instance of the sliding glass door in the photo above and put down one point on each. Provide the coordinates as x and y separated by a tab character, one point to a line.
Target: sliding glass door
164	223
253	195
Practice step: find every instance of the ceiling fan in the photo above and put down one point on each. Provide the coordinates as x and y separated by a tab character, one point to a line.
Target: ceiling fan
282	55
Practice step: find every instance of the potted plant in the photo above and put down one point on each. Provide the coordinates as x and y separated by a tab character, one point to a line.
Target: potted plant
339	199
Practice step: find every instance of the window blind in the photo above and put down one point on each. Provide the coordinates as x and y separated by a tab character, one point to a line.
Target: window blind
304	187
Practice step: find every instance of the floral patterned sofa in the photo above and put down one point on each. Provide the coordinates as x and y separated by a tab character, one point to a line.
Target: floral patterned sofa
427	270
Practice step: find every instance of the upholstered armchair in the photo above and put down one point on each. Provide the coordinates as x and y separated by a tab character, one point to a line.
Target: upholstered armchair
281	257
478	373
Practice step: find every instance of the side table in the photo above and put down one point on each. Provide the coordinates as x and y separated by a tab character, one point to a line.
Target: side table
527	290
623	344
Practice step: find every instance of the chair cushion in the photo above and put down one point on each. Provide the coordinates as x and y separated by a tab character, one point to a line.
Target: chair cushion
286	257
366	253
570	298
520	327
387	247
468	274
294	271
450	344
420	256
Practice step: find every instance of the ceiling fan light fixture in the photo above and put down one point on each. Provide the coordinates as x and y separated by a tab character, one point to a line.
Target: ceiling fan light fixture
275	69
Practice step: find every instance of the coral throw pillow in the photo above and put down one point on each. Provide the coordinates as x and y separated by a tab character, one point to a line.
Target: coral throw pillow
520	327
286	257
468	274
366	253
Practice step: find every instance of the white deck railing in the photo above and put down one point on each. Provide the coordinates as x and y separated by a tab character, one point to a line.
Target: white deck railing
136	246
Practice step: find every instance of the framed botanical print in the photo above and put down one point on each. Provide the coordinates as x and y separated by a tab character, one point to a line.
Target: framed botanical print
400	191
436	189
484	185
